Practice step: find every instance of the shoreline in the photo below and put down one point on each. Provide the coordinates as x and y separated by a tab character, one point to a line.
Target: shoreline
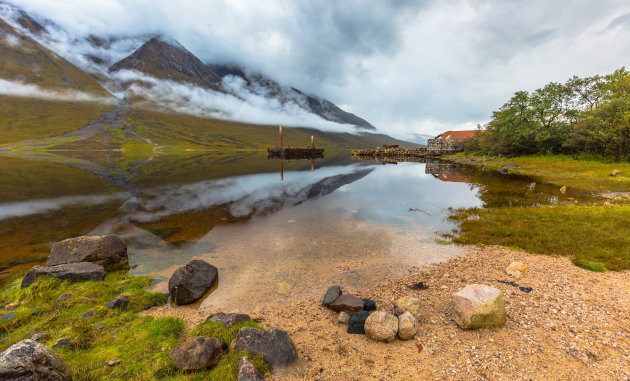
570	326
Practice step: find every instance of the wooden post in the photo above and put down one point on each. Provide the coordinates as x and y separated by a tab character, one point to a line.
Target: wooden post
280	136
312	164
281	170
312	142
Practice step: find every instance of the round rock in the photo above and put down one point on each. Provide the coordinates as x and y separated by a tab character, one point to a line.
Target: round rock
30	360
408	304
407	326
196	353
381	326
191	281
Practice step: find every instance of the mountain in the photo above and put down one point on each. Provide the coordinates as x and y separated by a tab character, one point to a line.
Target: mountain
169	60
260	84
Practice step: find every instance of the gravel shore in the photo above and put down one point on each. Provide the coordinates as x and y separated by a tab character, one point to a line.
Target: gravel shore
574	324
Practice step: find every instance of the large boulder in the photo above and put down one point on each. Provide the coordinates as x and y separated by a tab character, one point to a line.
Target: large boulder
479	306
108	251
228	319
407	326
332	294
408	304
273	344
70	271
29	360
196	353
191	281
348	303
381	326
247	371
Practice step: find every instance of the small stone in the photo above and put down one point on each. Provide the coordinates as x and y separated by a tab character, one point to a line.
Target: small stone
348	303
11	306
614	173
369	305
111	363
196	353
228	319
381	326
120	303
407	326
64	297
63	342
343	317
99	325
516	269
9	316
479	306
30	360
88	314
332	293
356	323
408	304
563	190
247	371
39	337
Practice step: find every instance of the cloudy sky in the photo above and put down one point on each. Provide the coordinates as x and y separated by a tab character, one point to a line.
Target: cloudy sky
406	66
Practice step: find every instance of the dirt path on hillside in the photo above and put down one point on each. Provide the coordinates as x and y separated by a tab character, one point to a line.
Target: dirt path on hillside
574	325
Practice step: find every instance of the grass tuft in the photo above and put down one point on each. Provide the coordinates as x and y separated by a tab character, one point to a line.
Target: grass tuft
219	332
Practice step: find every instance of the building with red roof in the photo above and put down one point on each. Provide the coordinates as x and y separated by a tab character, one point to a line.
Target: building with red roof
457	135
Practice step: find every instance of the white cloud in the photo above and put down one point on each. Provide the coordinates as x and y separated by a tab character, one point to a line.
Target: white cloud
20	89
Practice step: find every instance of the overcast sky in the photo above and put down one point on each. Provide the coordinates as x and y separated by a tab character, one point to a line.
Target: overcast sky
405	66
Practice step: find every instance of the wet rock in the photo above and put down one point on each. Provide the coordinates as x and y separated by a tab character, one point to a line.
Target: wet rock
407	326
516	269
614	173
9	316
88	314
228	319
196	353
111	363
343	317
369	305
348	303
356	323
191	281
247	371
63	342
273	344
332	293
108	251
120	303
381	326
408	304
72	271
64	297
30	360
479	306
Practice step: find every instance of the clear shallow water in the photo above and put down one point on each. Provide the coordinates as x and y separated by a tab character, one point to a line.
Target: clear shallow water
346	222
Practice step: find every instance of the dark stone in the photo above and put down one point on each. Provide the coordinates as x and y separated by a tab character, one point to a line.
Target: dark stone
419	286
63	342
369	305
29	360
108	251
64	297
348	303
247	371
332	293
9	316
273	344
121	302
88	314
356	324
191	281
196	353
228	319
70	271
525	289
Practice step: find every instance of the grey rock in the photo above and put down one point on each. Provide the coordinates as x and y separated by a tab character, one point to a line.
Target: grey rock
247	371
479	306
39	337
196	353
108	251
88	314
29	360
228	319
63	342
9	316
332	294
356	323
381	326
64	297
348	303
120	303
273	344
72	271
191	281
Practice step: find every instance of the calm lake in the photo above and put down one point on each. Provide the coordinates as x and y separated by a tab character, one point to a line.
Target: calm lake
276	230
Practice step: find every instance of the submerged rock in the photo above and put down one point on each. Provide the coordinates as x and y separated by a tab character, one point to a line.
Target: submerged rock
30	360
108	251
228	319
332	294
408	304
120	303
381	326
196	353
356	323
191	281
407	326
71	271
348	303
479	306
247	371
273	344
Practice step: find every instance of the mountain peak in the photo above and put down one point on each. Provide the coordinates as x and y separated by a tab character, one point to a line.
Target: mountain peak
165	58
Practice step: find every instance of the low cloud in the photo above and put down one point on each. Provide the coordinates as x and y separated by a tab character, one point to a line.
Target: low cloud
20	89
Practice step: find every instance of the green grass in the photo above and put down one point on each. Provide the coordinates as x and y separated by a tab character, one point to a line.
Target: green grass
218	331
595	236
140	343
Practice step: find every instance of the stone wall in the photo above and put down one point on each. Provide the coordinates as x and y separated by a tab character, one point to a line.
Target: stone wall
442	146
